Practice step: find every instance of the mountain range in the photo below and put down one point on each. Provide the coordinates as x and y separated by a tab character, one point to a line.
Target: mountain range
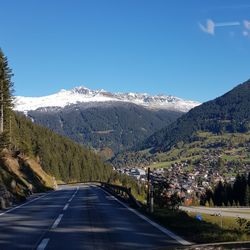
107	122
217	129
84	95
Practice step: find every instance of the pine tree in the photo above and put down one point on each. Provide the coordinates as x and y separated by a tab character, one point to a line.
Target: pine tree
247	196
6	100
237	189
219	193
211	203
243	184
248	180
229	194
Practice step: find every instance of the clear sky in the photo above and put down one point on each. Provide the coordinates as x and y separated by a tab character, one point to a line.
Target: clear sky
194	49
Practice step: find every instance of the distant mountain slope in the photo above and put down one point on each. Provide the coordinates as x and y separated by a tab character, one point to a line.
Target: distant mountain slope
107	122
108	126
228	113
85	95
58	156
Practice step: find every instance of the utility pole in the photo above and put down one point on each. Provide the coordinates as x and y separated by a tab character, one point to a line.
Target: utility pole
151	198
148	189
150	194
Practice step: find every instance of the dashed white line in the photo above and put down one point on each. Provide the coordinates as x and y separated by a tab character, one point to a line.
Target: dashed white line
73	196
66	207
57	221
43	244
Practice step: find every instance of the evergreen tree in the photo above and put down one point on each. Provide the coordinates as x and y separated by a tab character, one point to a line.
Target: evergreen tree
211	203
247	196
243	184
6	100
237	189
229	195
219	193
248	180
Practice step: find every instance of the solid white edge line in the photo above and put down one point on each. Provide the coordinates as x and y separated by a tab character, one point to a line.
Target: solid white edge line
66	207
26	203
57	221
43	244
156	225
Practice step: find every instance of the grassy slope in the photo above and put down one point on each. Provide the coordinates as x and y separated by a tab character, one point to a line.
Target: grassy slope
232	147
208	230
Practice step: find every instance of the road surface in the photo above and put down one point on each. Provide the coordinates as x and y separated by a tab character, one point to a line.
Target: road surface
80	217
226	212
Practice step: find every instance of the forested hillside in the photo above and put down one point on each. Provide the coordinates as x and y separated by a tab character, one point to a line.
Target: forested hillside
229	113
213	130
59	156
109	127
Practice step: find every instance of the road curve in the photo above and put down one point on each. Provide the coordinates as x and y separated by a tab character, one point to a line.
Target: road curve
80	217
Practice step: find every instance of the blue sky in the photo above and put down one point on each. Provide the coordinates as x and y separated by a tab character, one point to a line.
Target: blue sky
188	48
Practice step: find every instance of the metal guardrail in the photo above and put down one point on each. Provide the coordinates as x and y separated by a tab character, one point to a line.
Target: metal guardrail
123	192
120	191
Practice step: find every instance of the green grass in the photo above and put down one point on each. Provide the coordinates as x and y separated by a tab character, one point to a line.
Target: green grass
206	231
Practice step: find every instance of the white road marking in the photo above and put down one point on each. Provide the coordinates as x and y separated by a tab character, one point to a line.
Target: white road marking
24	204
159	227
73	196
66	207
43	244
57	221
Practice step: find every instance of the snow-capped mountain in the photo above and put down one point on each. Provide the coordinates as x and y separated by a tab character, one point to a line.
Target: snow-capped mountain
84	95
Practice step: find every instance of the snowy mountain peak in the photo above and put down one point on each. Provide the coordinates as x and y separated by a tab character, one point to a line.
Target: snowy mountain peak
81	90
82	94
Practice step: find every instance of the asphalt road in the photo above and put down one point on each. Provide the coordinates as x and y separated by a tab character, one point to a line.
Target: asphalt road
226	212
80	217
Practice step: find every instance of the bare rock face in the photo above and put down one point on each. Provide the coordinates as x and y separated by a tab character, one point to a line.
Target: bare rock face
6	198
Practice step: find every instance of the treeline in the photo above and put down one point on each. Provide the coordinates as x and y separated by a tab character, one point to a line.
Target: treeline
6	101
225	194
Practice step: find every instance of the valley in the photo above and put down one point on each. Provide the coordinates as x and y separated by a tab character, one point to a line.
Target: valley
124	125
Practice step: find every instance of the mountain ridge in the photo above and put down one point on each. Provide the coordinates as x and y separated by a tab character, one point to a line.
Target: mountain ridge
213	116
82	94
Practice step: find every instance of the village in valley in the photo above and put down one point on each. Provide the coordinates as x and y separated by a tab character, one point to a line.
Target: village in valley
188	181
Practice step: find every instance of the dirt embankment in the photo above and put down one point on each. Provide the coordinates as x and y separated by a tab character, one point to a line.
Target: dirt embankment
20	176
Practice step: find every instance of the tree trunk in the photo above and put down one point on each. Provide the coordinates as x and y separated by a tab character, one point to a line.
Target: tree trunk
1	111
